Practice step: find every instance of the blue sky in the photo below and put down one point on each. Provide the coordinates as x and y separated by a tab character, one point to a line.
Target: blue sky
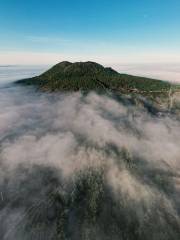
110	31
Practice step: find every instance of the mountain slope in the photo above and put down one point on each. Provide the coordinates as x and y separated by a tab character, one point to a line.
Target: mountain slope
66	76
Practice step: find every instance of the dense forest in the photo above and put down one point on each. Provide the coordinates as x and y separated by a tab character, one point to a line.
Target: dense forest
67	76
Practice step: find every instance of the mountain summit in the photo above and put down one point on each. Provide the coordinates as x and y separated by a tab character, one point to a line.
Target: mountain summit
77	69
67	76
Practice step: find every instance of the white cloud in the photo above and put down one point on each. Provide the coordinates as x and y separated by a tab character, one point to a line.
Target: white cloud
138	153
164	71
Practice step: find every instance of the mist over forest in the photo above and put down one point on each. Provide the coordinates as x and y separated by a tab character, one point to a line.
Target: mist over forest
87	166
89	120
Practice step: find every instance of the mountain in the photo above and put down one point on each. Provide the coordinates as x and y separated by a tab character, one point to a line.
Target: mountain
67	76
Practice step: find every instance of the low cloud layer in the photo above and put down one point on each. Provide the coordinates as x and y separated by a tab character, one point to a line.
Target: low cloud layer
95	162
163	71
10	73
159	65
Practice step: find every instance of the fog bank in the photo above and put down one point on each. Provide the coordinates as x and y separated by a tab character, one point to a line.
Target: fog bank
76	166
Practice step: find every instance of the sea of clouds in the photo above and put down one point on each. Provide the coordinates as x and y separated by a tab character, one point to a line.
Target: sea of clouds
68	133
168	72
47	139
10	73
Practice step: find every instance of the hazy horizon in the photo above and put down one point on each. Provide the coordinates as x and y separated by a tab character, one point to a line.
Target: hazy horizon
166	72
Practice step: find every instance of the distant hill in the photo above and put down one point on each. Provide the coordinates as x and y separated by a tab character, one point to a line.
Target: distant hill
66	76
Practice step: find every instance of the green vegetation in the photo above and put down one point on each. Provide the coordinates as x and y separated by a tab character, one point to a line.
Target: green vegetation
85	76
87	208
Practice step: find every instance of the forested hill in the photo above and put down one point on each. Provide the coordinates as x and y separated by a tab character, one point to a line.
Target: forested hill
66	76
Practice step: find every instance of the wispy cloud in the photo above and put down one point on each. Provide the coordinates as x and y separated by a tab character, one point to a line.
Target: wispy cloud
47	40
